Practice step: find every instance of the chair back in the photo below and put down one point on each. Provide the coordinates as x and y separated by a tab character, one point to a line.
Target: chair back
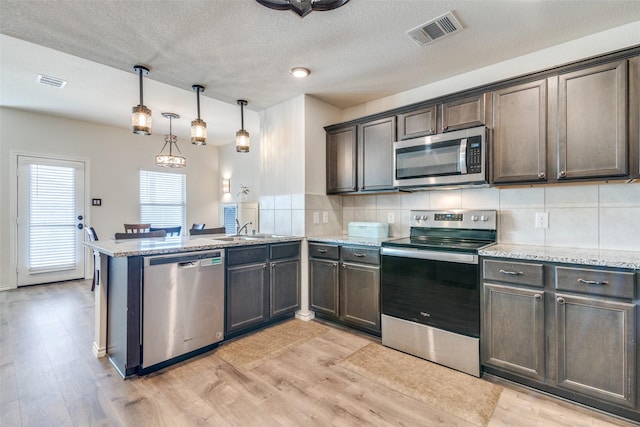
137	228
122	236
91	232
171	231
217	230
197	226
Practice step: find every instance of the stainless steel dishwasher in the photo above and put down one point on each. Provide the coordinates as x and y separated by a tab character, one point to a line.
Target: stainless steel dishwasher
182	304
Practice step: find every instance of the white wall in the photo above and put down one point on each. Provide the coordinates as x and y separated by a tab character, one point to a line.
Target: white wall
241	169
115	157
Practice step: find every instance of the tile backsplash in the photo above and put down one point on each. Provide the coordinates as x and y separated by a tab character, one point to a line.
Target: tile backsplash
604	216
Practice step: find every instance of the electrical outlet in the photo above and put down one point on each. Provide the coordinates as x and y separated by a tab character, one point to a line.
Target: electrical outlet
316	217
391	218
325	217
542	220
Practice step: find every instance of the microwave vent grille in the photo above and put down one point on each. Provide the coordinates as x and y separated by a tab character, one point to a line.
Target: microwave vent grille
435	29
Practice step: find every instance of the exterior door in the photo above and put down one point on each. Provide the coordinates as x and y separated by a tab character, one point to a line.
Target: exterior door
50	220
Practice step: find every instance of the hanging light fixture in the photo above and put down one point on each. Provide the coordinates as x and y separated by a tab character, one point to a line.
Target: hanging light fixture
170	160
141	115
198	127
302	7
242	136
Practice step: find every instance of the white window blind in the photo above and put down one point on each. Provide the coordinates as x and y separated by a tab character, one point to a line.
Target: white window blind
163	199
230	215
52	217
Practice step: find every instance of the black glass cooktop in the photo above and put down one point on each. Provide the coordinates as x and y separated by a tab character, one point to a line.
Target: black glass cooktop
438	244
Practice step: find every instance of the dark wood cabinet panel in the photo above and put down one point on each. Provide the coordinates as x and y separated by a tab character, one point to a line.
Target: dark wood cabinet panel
519	146
360	295
418	123
464	113
634	116
375	147
341	160
285	286
513	330
592	122
247	296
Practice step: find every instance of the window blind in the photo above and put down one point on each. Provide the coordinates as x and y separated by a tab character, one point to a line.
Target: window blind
163	199
52	217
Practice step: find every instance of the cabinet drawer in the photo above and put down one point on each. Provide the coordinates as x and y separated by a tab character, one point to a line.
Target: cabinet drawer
247	254
285	250
361	255
596	282
514	272
324	251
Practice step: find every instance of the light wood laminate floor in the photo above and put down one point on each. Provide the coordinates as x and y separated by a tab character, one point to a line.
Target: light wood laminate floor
49	377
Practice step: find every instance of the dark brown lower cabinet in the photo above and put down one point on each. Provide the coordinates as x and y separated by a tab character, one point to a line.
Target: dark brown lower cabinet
262	285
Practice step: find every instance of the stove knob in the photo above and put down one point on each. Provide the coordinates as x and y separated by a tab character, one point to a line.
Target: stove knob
417	217
425	217
484	218
474	218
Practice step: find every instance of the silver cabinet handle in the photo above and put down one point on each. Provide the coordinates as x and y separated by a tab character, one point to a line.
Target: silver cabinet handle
512	273
264	266
322	251
335	265
542	175
593	282
560	300
537	297
273	265
359	255
562	174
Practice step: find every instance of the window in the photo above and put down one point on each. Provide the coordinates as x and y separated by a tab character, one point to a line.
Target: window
163	199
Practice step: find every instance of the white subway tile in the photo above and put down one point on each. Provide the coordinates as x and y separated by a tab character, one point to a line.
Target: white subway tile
480	198
516	226
514	198
620	195
572	227
445	199
567	196
620	229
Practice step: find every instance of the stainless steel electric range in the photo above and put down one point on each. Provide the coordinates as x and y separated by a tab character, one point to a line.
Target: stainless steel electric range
431	287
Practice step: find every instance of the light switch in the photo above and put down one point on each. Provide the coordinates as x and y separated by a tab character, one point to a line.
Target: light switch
542	220
316	217
325	217
391	218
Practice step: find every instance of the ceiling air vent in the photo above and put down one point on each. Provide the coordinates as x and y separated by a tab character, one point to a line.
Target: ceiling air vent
435	29
51	81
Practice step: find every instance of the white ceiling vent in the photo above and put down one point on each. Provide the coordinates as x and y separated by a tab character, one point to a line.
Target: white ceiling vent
51	81
435	29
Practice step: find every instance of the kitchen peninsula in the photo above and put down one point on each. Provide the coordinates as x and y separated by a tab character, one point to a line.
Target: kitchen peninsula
123	267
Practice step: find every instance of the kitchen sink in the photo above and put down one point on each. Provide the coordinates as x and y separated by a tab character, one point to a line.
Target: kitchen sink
247	237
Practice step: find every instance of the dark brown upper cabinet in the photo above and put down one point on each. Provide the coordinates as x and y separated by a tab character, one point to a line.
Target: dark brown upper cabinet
519	148
465	113
341	160
375	154
414	124
593	122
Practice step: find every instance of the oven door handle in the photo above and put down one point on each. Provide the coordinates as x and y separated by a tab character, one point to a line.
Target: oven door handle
431	255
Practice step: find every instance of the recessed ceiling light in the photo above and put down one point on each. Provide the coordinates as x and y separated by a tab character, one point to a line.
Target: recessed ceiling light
300	72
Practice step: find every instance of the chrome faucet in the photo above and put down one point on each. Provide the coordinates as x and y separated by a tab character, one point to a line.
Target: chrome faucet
244	227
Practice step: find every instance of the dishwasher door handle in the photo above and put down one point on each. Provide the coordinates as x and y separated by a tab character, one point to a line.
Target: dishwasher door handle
188	264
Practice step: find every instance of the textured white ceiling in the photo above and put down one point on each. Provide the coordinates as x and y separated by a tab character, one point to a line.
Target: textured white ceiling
239	49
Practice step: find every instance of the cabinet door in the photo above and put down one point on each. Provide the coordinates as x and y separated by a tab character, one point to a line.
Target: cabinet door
376	154
592	120
360	295
520	133
323	286
513	330
417	123
464	113
341	160
596	348
247	296
285	286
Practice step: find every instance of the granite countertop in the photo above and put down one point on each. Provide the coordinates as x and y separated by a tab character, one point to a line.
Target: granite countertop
344	239
178	244
595	257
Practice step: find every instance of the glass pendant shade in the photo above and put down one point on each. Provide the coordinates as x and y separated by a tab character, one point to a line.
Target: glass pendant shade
140	115
242	141
242	136
198	132
141	120
198	126
170	160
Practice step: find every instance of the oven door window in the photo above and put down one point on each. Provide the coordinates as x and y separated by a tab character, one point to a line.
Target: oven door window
442	158
441	294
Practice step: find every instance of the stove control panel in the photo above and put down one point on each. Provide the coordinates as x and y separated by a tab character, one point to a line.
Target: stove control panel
458	218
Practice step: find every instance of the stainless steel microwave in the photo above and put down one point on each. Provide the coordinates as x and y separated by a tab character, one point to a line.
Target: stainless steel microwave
456	158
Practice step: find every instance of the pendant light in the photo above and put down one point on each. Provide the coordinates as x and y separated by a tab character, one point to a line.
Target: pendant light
242	136
170	160
198	127
141	115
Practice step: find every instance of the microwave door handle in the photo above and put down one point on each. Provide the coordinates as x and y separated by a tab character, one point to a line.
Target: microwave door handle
462	161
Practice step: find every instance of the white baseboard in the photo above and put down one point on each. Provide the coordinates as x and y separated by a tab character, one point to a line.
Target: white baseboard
306	316
98	352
